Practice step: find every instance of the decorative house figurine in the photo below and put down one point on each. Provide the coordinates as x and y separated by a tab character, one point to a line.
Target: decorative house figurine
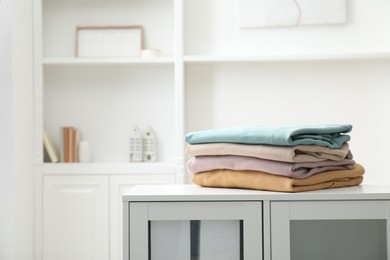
136	145
149	146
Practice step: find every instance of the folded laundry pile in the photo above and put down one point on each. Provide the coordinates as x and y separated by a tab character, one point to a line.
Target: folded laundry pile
288	159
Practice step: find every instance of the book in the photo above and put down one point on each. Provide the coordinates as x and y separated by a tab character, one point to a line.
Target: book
50	148
66	143
77	140
70	138
74	136
72	145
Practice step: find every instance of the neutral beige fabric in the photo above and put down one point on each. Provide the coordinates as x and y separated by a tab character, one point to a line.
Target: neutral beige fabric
265	181
300	153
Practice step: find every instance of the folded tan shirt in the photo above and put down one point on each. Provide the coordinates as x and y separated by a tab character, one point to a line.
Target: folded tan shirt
300	153
264	181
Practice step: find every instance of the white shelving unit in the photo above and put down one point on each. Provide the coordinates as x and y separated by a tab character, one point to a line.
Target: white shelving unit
211	74
104	97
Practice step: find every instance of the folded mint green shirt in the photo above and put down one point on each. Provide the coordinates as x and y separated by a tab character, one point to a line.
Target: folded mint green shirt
332	136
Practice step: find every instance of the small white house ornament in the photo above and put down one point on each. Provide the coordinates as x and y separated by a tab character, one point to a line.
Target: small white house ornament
136	145
273	13
149	146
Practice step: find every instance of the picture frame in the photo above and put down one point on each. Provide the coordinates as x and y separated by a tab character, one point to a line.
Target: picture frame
109	41
275	13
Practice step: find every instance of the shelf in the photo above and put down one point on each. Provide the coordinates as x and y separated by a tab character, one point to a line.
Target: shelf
107	61
106	168
297	57
217	59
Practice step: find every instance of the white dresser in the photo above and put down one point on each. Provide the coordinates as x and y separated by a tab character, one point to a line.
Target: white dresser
164	222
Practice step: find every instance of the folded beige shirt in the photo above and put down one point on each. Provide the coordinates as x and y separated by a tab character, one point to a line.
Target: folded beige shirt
300	153
264	181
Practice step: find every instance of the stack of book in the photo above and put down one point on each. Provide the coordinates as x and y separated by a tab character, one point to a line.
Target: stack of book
68	151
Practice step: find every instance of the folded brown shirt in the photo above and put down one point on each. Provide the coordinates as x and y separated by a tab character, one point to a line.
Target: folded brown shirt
264	181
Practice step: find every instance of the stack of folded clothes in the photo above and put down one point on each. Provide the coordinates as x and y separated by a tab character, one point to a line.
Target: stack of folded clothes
288	159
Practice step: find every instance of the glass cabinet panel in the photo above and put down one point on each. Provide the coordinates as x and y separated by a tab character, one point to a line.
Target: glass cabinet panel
196	239
336	230
169	239
195	231
338	239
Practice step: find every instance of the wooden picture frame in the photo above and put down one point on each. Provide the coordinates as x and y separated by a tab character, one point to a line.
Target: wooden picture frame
109	41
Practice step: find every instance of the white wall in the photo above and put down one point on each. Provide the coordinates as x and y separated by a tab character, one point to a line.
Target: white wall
297	92
16	120
212	27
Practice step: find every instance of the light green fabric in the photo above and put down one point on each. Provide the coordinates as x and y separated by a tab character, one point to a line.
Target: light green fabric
332	136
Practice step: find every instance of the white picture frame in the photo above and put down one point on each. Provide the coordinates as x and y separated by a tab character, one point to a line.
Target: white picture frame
275	13
109	41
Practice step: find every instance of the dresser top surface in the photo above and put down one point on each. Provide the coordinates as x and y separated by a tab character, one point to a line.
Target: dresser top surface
190	192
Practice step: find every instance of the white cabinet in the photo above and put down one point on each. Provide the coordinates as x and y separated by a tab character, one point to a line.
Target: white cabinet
82	214
342	223
75	218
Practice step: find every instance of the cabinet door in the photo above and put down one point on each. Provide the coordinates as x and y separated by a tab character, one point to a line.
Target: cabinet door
75	217
119	185
334	230
195	230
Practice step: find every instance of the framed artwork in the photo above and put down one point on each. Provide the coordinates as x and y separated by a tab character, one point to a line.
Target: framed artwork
273	13
109	41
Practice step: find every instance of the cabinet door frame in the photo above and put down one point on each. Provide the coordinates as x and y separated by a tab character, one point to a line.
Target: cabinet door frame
283	212
62	193
140	213
119	184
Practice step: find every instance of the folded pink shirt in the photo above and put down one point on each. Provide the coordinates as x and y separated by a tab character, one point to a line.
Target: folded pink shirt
299	170
299	153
